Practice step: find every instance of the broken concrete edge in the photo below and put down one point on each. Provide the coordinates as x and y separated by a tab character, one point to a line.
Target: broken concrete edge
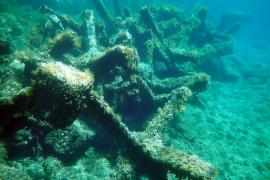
186	165
65	42
196	82
195	56
200	11
64	20
149	22
104	14
122	56
89	31
180	163
67	74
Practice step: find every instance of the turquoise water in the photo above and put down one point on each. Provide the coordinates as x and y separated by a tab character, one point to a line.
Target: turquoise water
92	94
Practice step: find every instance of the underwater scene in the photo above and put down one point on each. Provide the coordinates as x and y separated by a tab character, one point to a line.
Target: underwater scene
134	90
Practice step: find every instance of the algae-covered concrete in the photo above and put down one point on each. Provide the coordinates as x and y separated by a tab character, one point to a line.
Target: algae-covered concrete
95	99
